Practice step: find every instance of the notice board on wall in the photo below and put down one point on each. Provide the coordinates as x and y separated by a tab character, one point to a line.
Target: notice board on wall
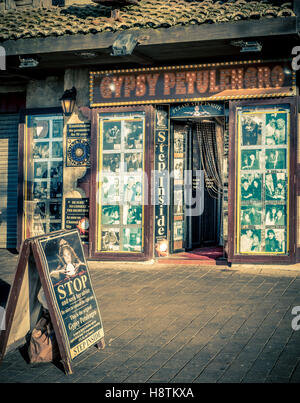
77	216
61	269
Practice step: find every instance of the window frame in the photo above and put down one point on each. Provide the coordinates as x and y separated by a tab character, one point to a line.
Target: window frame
22	152
147	254
233	256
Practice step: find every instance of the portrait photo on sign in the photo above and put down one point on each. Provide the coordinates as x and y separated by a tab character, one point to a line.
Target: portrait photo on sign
58	126
251	215
251	185
40	190
40	169
133	162
132	189
132	239
111	135
178	142
276	128
111	162
40	129
250	159
55	210
40	150
252	126
133	133
57	151
250	240
110	189
275	240
110	215
161	118
132	214
275	214
276	158
178	230
110	239
64	257
40	209
56	188
178	201
56	170
275	186
72	297
178	168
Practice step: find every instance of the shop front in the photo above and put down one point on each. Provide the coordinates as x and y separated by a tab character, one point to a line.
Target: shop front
166	160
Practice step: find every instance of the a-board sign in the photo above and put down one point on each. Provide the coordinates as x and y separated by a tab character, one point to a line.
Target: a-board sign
66	282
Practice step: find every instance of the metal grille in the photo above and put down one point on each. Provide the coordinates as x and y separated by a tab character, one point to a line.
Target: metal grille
8	179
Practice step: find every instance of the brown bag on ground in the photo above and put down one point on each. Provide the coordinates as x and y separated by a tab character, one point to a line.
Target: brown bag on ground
43	346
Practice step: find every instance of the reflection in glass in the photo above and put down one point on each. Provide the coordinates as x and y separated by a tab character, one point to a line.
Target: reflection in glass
252	129
262	219
250	240
275	214
275	240
132	239
110	215
44	178
121	183
251	187
250	159
110	240
276	159
275	130
111	135
251	215
275	187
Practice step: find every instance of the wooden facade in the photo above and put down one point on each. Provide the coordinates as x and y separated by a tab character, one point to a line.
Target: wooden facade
195	66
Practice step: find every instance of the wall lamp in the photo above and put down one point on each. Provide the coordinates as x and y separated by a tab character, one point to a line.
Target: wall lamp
162	247
124	44
28	62
68	101
248	46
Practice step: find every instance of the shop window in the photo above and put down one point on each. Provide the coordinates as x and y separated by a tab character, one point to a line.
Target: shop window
262	197
263	180
120	183
43	165
180	134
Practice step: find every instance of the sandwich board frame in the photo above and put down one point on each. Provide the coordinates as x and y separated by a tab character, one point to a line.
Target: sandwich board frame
77	323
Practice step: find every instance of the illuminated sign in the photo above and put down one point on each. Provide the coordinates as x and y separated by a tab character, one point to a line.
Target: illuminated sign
217	81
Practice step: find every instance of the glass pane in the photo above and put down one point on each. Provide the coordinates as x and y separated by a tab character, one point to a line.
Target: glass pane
180	135
263	180
43	174
120	214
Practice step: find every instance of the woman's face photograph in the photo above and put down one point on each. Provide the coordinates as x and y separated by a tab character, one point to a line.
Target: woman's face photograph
67	256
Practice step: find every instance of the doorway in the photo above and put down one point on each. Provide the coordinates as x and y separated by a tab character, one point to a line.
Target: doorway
196	185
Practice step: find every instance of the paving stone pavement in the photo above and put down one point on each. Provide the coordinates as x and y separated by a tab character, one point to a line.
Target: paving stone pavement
181	324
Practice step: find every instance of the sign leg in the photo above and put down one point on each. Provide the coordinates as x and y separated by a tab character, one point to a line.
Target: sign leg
101	344
67	367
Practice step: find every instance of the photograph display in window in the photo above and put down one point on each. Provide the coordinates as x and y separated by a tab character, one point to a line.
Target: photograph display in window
263	185
180	135
120	217
45	174
110	240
